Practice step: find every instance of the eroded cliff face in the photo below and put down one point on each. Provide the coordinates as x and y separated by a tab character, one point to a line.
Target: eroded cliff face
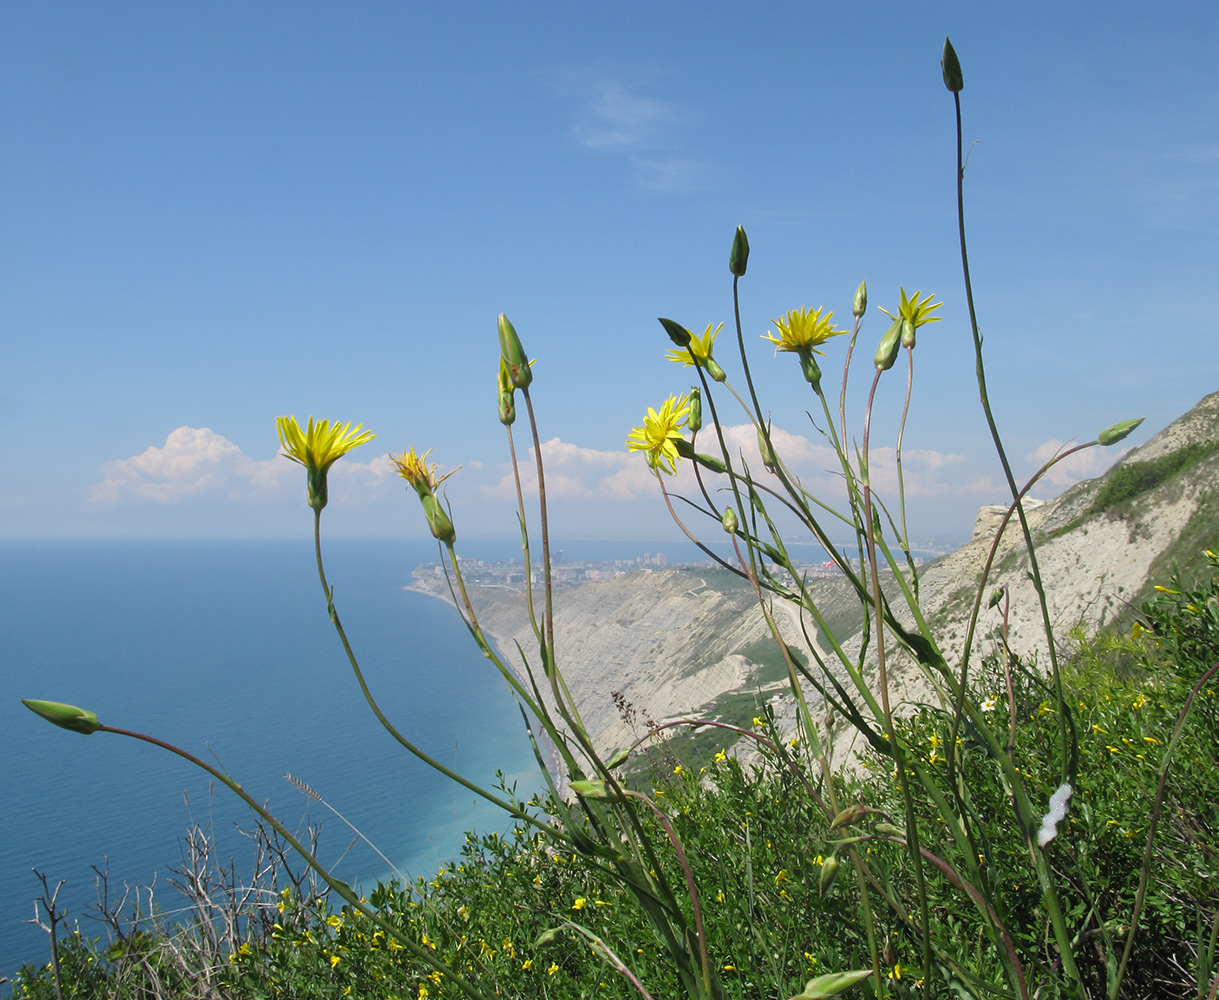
680	643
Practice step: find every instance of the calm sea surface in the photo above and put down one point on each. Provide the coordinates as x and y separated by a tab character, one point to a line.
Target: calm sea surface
225	649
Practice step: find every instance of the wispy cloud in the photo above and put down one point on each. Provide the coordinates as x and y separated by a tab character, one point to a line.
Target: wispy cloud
614	115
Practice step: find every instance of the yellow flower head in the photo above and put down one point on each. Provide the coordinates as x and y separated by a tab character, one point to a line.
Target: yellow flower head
803	330
415	470
317	448
699	353
655	438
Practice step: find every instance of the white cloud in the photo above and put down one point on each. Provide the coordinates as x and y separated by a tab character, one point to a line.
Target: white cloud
192	461
197	460
615	119
1086	464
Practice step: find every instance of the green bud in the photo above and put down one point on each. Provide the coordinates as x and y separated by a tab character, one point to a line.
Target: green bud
739	258
710	463
587	789
907	333
677	333
1112	435
507	408
728	520
810	369
695	418
886	353
513	353
315	480
713	369
951	67
618	759
849	816
889	830
996	596
768	454
829	872
832	984
547	937
860	305
64	716
438	520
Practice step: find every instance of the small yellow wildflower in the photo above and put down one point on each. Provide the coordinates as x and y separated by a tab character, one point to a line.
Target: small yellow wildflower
1166	590
553	969
415	470
334	920
660	429
897	972
579	904
679	769
720	757
334	961
803	330
527	964
730	968
422	990
1140	701
758	721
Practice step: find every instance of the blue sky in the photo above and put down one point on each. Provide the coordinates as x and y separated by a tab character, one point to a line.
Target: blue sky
218	213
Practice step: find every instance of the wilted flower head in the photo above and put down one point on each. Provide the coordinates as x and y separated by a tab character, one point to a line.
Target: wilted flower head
803	330
415	470
660	429
317	448
699	353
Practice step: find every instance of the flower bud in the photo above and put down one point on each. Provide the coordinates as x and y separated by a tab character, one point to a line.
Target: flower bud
587	789
907	333
677	333
889	830
739	258
694	419
849	816
438	520
513	354
951	67
1112	435
713	369
768	454
886	353
618	759
507	396
547	937
728	520
64	716
996	596
860	305
829	872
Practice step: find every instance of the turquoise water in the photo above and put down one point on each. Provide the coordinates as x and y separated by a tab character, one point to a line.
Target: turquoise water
225	649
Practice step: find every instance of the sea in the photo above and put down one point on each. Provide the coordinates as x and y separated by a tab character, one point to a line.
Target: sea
225	649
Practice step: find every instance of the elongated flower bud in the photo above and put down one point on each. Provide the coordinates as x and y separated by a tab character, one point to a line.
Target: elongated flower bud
728	520
886	352
677	333
507	396
860	305
849	816
714	370
68	717
768	454
996	596
618	759
739	258
908	329
1112	435
513	353
694	419
951	67
587	789
829	872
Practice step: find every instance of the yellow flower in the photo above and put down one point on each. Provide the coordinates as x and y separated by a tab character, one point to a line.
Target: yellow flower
803	330
699	353
317	448
553	969
721	756
527	964
579	904
655	438
334	961
915	312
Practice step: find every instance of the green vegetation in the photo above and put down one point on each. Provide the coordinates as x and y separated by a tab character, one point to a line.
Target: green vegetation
1132	479
758	846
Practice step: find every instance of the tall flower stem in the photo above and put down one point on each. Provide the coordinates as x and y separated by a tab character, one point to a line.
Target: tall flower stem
389	727
1060	931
